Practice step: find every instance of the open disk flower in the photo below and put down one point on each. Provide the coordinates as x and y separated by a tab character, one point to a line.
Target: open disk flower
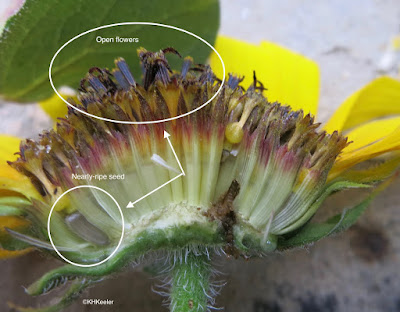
256	168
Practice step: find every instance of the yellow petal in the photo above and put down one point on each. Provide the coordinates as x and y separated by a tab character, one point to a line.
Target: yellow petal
7	254
289	77
12	180
371	132
379	98
375	172
55	107
370	140
12	223
9	145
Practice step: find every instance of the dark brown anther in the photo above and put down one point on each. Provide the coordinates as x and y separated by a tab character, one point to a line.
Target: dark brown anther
145	109
199	67
36	182
171	50
182	108
135	114
119	113
94	70
162	107
150	74
49	163
155	67
217	79
257	85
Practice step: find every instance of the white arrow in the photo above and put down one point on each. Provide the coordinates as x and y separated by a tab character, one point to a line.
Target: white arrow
132	204
166	136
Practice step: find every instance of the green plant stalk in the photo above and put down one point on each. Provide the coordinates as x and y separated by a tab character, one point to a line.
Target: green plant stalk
190	285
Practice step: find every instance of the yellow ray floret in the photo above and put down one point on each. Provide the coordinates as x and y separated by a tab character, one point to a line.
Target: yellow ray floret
289	77
380	98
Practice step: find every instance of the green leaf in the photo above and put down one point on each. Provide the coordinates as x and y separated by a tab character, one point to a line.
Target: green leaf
32	37
312	232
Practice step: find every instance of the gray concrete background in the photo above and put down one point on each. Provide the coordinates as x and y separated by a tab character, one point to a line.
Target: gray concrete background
356	271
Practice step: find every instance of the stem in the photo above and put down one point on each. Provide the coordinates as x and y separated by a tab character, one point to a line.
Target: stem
190	282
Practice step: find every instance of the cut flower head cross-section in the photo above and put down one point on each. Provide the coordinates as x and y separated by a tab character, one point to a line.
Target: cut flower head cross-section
256	170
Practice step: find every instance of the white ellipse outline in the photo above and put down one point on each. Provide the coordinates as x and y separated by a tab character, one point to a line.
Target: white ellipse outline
137	23
120	240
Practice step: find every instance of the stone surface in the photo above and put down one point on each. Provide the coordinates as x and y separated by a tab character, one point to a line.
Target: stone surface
355	271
